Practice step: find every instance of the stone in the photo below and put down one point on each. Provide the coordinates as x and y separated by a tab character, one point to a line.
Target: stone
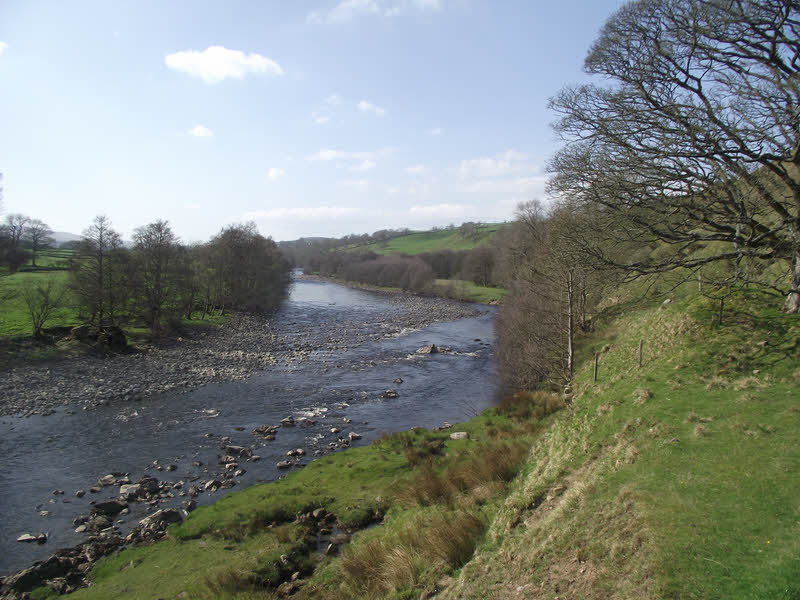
238	451
390	394
397	380
106	480
80	493
431	349
28	537
459	435
110	507
296	452
189	505
130	491
288	421
284	464
354	436
162	517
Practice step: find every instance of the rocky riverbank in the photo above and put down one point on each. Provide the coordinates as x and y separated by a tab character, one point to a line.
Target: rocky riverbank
243	345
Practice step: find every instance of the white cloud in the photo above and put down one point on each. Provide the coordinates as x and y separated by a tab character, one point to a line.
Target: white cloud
504	163
439	210
3	47
201	131
320	119
364	165
355	184
275	173
348	10
365	106
217	63
333	99
417	169
435	131
341	155
523	187
311	212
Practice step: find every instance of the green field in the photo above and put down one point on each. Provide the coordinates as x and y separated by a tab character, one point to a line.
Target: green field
430	241
468	291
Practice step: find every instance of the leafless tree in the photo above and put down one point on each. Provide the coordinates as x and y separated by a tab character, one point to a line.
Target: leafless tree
42	299
39	236
12	232
156	253
99	279
694	142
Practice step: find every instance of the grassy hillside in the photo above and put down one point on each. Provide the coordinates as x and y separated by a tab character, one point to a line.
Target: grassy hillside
676	479
429	241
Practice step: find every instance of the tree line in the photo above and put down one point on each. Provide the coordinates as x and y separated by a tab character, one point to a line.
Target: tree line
156	281
684	159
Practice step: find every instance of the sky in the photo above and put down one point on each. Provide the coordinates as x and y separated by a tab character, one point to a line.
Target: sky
310	118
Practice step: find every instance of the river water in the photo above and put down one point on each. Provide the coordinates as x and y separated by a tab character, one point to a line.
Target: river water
70	449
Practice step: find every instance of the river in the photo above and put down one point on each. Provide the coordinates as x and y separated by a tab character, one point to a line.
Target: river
70	449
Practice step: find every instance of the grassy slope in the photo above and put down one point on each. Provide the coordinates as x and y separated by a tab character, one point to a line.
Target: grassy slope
429	241
677	480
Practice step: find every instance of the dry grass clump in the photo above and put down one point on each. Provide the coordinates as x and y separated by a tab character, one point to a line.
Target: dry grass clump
523	406
700	431
693	417
604	408
425	453
430	544
746	383
642	395
717	382
476	468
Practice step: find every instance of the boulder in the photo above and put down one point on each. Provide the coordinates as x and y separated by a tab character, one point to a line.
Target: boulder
431	349
390	394
238	451
284	464
354	436
162	518
288	421
296	452
459	435
110	507
131	491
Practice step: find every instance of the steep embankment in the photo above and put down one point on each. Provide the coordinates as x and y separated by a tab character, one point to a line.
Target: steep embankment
673	479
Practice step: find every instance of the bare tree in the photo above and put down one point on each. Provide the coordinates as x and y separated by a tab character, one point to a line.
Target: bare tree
99	280
11	232
42	299
696	141
39	236
156	253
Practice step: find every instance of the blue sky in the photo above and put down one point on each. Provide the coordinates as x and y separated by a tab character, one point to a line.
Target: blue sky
308	117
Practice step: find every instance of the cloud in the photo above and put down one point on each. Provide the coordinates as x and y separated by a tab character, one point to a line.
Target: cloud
333	99
311	212
275	173
3	47
365	165
521	187
439	210
201	131
320	119
417	169
217	63
355	184
365	106
348	10
435	131
504	163
341	155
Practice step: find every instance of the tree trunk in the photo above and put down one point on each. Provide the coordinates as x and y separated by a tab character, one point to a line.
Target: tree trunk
570	327
792	304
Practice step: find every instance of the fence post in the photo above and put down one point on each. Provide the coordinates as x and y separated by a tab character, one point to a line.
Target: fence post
641	346
596	355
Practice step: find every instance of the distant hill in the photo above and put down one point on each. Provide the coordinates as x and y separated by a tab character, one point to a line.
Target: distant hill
63	236
443	239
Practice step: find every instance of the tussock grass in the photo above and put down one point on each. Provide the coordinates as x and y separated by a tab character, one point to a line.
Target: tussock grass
430	544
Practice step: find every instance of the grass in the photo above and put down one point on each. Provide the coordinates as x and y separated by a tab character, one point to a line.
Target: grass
430	241
468	291
655	485
14	318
